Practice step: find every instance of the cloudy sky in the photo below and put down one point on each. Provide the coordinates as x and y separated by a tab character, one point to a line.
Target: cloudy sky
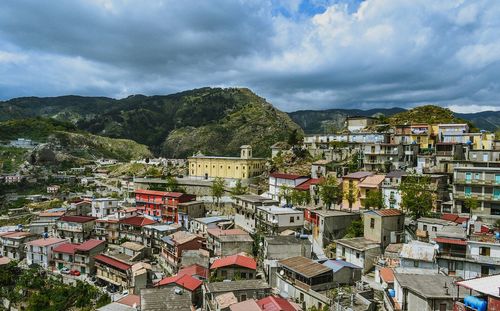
298	54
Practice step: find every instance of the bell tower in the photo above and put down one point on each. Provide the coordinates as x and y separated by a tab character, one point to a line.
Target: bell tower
246	152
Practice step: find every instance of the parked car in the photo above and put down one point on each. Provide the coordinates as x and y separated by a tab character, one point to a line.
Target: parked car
74	272
64	270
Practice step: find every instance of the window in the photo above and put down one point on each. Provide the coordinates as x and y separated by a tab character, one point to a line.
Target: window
292	220
425	228
357	255
451	266
415	264
442	307
468	191
243	275
243	297
298	217
468	176
301	297
372	223
485	271
434	228
477	176
484	251
343	251
497	178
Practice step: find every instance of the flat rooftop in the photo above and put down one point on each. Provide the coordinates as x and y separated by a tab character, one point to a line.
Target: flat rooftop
221	287
278	210
254	198
360	244
429	286
285	240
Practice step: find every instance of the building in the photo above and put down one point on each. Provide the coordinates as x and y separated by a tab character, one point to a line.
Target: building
350	183
188	211
161	205
390	189
359	251
122	275
188	284
168	298
427	228
384	226
280	182
236	291
359	123
235	267
344	272
40	252
425	292
243	167
174	245
302	279
223	243
328	225
13	244
484	251
107	229
370	183
200	226
153	234
278	247
131	228
53	189
481	183
246	209
78	257
76	229
383	157
104	207
485	291
420	255
274	219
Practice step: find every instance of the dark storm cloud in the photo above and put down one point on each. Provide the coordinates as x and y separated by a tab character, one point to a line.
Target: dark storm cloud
298	54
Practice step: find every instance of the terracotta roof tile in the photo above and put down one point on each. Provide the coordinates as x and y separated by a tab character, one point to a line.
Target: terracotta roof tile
186	281
137	221
112	262
286	176
387	274
235	260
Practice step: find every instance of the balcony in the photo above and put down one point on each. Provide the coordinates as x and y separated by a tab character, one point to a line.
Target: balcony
69	228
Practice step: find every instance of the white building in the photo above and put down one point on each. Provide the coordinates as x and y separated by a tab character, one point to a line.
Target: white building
40	251
358	251
246	209
274	219
280	181
104	207
390	189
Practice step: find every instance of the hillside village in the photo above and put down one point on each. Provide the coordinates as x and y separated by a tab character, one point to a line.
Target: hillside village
375	216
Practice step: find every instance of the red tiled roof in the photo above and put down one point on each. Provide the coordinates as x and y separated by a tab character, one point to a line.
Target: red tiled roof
186	281
272	303
77	219
450	241
388	212
387	274
218	232
306	184
454	218
358	175
45	242
68	248
130	300
89	244
16	234
112	262
194	270
137	221
160	193
235	260
286	176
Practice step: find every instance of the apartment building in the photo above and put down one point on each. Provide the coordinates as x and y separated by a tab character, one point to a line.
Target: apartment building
79	257
41	251
12	244
161	205
246	209
274	219
76	229
104	207
481	183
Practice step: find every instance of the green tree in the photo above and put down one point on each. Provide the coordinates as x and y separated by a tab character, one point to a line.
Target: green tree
329	191
217	189
294	138
172	185
299	197
374	199
284	193
354	164
351	195
238	188
417	197
355	229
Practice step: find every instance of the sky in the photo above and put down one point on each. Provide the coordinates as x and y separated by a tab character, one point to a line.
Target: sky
298	54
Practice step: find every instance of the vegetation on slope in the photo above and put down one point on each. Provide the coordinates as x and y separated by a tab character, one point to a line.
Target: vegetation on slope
425	114
150	120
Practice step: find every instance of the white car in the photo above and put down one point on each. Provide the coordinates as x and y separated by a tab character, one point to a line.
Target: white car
64	270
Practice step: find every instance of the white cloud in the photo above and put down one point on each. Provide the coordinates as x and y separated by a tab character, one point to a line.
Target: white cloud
385	53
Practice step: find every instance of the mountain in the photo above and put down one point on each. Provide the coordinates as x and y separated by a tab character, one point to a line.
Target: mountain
63	142
324	121
215	121
327	121
486	120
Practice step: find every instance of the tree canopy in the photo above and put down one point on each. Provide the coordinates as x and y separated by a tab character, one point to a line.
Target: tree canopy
329	191
417	197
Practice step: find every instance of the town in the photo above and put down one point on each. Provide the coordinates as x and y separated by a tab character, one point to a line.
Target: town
372	217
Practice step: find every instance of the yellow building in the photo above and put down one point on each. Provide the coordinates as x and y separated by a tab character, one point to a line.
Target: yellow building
242	167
